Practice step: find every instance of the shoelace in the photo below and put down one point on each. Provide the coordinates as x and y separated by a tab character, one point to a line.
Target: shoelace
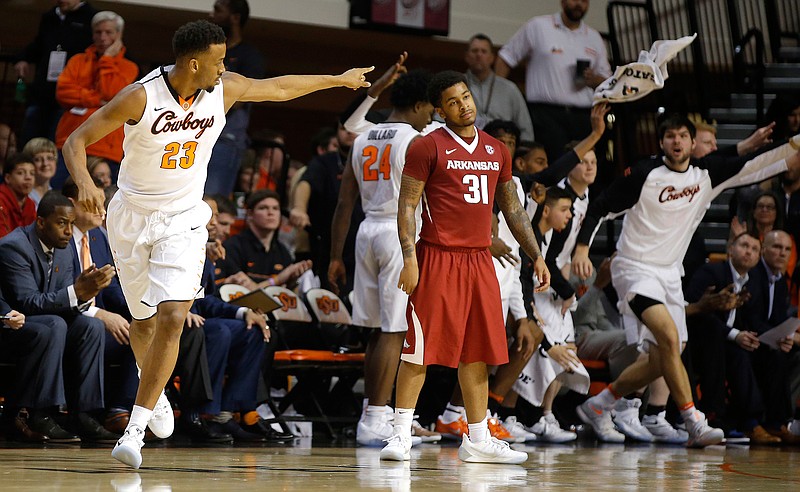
499	443
161	408
394	439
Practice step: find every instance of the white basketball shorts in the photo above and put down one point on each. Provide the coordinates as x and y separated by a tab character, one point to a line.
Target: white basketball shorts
662	284
159	257
377	301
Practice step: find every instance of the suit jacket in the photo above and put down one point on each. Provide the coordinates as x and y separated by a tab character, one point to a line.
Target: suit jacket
212	306
720	276
110	298
25	283
757	309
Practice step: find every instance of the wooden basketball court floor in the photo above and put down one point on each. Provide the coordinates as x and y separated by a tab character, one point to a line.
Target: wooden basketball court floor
433	467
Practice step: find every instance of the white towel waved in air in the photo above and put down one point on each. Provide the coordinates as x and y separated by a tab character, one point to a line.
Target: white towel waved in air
636	80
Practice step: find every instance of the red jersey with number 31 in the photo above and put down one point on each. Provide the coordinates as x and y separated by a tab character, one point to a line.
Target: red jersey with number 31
460	180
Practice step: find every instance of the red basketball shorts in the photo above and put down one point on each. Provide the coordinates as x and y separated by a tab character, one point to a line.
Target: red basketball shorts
455	314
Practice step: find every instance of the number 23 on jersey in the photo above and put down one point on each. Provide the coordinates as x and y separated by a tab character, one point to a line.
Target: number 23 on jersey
171	158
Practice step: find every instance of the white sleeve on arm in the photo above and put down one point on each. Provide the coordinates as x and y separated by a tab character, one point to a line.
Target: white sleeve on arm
357	122
761	167
518	47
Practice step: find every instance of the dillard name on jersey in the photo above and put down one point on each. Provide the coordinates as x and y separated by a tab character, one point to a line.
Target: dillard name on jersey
382	134
669	193
168	122
473	165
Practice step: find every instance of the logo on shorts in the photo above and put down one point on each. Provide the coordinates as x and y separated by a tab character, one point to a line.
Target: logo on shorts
328	305
405	344
287	301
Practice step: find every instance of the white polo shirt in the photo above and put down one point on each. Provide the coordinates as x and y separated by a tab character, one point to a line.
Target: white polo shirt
552	50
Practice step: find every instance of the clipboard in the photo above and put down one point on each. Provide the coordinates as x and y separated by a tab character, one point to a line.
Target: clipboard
257	299
773	337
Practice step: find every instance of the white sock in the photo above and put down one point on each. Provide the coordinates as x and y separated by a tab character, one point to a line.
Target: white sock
479	432
140	416
691	414
452	413
547	412
373	415
402	421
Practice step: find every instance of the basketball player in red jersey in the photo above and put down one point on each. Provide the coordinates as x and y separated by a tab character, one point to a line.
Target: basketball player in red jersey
454	312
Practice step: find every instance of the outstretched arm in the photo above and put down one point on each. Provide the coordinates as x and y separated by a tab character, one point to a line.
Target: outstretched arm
126	106
520	225
410	194
284	88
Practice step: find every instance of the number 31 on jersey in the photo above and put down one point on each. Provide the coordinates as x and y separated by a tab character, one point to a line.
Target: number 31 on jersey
478	187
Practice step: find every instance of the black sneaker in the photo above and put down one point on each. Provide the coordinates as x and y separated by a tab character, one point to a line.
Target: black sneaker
268	432
234	429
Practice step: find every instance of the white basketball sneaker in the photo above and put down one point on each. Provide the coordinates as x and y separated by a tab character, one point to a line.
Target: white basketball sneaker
373	435
516	429
662	431
700	433
162	422
128	449
492	450
600	420
398	448
548	429
626	417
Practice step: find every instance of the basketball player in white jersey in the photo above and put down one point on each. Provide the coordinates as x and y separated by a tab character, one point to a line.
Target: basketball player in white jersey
375	168
156	223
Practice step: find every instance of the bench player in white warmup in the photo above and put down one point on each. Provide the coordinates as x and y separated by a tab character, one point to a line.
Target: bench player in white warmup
156	223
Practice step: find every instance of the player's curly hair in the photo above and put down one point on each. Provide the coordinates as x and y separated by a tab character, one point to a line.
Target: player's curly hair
440	83
410	89
195	37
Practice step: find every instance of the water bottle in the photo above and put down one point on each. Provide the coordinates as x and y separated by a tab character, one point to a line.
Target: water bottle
20	92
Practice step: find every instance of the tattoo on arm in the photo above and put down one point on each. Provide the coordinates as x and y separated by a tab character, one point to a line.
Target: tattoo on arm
516	218
410	193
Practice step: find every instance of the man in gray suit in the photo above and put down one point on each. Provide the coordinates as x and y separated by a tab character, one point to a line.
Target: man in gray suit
37	279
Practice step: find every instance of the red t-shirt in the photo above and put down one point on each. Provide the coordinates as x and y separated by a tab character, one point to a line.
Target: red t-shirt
460	181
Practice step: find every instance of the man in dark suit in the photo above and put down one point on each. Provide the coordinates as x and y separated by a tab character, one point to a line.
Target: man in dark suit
721	342
235	341
768	308
36	345
89	246
37	279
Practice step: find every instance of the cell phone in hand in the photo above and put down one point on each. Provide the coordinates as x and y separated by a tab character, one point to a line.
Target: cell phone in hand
580	67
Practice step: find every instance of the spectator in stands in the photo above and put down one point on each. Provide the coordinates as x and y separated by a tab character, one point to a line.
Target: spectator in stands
16	208
566	60
270	154
255	258
226	218
36	345
721	342
64	31
785	112
315	201
248	175
506	131
38	279
496	98
89	246
100	171
8	143
45	156
245	59
89	81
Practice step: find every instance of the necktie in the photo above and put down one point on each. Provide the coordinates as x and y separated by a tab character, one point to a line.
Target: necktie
86	257
49	256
